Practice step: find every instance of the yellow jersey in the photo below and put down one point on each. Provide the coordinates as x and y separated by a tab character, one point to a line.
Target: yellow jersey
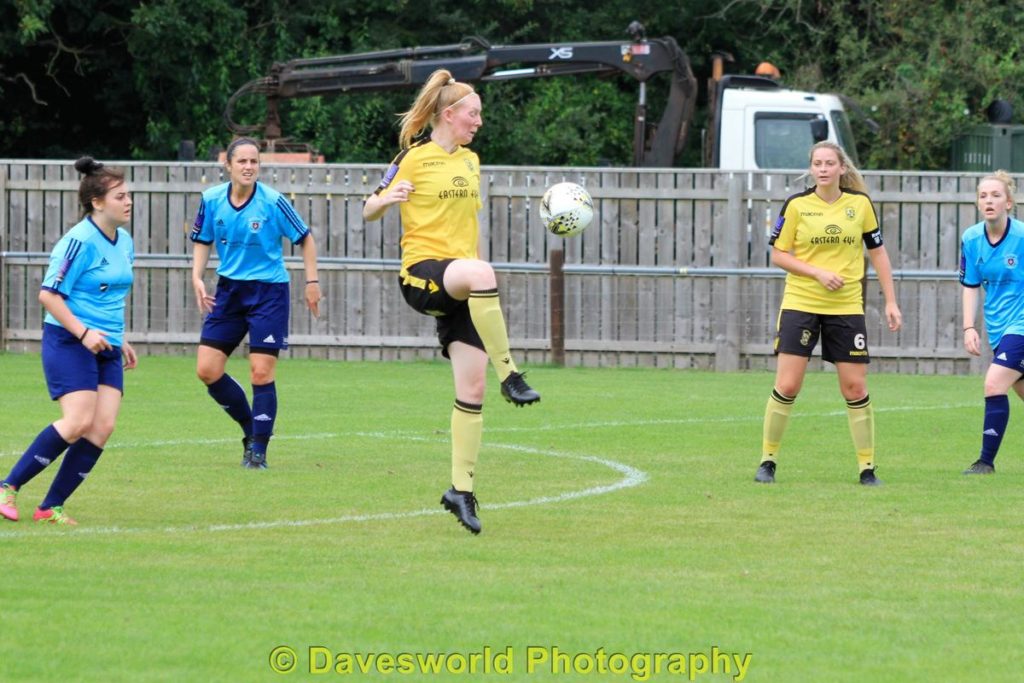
440	220
828	236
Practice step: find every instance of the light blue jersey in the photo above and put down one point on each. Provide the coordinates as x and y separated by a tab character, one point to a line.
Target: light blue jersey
94	275
248	237
997	268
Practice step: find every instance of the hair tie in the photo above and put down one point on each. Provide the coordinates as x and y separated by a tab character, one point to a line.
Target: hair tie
451	81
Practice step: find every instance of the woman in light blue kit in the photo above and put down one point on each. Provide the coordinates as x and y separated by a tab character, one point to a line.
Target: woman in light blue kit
83	348
246	220
990	256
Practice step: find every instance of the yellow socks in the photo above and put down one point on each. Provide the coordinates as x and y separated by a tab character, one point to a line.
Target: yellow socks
467	430
489	321
776	417
862	429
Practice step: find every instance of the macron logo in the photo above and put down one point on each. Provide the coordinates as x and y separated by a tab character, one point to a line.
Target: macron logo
262	417
1001	356
269	339
42	461
990	432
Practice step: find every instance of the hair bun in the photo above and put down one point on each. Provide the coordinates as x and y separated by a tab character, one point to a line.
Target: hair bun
87	165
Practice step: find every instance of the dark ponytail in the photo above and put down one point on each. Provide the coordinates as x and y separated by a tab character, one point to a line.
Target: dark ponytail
96	182
87	166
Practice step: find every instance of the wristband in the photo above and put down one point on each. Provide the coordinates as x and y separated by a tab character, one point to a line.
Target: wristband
970	328
312	282
83	334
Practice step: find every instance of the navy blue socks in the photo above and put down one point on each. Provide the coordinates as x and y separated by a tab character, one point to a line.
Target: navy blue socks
230	395
46	448
997	416
264	412
78	463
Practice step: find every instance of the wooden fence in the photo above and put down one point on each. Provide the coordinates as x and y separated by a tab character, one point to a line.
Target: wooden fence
674	271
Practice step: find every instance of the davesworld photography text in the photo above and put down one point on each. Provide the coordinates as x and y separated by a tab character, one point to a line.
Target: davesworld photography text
542	661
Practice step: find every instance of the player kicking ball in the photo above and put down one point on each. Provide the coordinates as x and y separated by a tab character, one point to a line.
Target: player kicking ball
436	183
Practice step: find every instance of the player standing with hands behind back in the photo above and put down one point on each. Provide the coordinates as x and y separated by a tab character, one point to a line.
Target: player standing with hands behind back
436	183
819	240
84	350
247	220
990	256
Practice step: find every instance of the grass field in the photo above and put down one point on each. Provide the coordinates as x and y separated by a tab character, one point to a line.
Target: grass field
620	521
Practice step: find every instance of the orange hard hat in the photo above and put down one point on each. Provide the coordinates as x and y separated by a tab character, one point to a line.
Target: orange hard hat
767	69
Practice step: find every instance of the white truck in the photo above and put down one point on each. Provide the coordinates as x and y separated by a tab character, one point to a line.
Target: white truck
759	125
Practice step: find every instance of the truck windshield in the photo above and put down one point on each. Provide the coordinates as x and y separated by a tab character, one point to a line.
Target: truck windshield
782	140
845	134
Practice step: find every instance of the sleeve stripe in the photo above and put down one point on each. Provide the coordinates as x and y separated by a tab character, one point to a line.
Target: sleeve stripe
392	171
74	248
201	215
289	213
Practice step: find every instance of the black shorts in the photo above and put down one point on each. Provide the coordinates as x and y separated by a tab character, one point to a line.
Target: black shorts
423	288
843	337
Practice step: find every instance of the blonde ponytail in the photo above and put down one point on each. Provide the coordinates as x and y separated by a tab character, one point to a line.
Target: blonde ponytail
438	93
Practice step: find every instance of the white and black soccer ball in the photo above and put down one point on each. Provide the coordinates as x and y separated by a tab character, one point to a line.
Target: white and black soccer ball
566	209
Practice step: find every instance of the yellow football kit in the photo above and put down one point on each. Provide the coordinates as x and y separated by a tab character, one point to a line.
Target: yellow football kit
828	236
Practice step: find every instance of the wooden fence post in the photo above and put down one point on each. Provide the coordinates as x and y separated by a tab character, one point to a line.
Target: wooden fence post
3	260
727	352
556	303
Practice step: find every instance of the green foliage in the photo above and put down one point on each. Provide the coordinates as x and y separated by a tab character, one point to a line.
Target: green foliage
558	123
32	20
64	79
924	71
123	78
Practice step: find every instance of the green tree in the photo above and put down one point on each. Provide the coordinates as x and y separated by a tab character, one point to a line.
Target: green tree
64	81
925	71
123	78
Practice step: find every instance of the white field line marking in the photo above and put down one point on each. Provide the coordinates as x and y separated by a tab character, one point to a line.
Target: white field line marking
631	477
399	434
718	420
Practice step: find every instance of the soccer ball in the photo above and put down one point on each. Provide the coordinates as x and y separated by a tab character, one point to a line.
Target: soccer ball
566	209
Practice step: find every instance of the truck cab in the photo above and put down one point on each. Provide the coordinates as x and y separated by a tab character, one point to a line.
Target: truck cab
757	124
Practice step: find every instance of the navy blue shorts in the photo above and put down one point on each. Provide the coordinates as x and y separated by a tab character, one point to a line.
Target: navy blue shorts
69	366
259	309
1010	352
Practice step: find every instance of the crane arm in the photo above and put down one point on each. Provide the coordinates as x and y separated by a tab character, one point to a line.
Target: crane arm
475	60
